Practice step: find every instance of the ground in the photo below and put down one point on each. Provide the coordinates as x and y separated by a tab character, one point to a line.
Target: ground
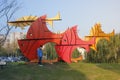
60	71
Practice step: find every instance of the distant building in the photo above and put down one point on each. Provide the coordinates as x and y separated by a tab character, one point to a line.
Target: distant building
13	37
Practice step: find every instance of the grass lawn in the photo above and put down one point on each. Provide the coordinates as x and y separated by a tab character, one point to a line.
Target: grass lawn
60	71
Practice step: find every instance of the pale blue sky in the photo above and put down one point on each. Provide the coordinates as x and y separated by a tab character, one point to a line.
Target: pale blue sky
84	13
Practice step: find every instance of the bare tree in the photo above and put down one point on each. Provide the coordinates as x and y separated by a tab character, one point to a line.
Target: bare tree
7	11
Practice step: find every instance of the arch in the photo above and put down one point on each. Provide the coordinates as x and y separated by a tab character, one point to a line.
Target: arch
28	47
38	34
79	57
49	51
69	42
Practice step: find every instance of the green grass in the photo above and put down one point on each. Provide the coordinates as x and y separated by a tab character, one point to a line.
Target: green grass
61	71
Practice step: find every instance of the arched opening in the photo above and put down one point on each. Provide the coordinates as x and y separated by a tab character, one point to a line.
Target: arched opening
78	54
49	53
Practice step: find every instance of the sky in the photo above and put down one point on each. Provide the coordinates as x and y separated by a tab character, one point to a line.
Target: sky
83	13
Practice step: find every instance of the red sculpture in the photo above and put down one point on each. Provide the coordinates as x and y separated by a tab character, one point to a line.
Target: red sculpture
69	42
38	34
